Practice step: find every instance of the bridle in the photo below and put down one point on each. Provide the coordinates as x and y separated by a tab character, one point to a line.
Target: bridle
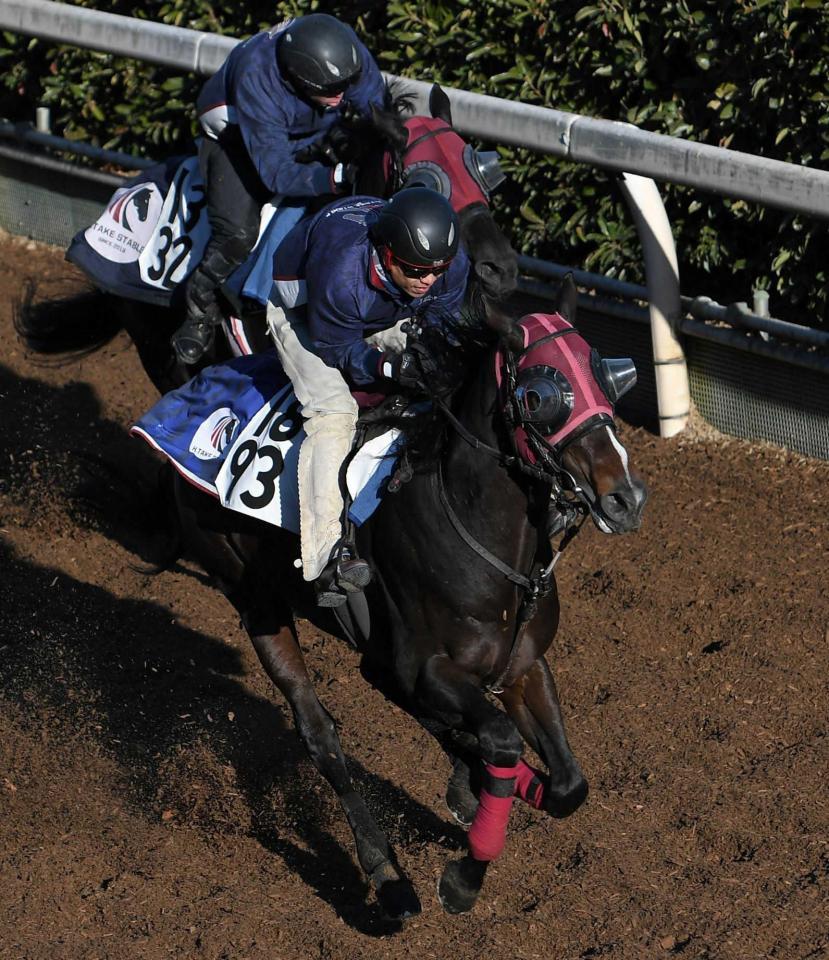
567	494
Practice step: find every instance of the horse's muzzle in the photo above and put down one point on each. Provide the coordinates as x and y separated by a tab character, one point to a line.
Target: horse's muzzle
621	510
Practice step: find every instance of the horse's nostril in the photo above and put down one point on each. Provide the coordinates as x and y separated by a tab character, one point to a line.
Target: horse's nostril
624	504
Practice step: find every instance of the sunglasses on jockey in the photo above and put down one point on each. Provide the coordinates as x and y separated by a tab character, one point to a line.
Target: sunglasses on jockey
413	272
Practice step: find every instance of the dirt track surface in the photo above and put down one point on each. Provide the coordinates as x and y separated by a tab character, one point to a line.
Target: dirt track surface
155	802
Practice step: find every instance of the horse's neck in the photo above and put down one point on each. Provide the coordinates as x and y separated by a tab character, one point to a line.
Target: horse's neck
485	494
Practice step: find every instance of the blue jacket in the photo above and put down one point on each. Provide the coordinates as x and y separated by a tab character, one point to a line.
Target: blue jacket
349	295
275	122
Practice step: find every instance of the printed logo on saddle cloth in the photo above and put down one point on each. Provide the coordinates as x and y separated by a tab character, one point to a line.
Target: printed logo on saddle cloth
150	236
235	430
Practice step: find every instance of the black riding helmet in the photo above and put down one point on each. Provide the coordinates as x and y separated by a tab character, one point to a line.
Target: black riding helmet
319	53
419	227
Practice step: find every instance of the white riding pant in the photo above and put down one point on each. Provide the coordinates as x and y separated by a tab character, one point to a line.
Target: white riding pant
330	414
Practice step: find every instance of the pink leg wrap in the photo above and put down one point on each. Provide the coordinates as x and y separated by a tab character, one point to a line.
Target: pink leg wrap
529	785
488	832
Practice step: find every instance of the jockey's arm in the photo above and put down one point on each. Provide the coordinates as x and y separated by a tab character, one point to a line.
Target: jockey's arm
449	292
264	115
336	325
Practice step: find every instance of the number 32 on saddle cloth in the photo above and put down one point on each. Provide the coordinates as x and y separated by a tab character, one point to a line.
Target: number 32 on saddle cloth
154	230
235	430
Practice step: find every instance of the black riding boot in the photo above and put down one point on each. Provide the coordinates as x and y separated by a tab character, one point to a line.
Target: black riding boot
195	336
344	573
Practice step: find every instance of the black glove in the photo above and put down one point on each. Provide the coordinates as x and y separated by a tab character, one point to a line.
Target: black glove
344	177
404	368
338	145
200	298
352	116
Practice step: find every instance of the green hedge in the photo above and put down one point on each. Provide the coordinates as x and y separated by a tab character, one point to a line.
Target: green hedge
746	74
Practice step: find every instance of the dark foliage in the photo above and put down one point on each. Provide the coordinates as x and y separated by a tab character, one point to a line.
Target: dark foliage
750	75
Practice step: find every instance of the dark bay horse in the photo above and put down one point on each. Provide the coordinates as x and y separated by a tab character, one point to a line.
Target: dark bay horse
388	159
463	604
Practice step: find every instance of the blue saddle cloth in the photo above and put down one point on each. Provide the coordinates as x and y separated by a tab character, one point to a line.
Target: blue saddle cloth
235	430
153	232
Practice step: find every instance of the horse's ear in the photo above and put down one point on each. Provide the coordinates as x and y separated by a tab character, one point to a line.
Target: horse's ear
566	302
439	105
503	323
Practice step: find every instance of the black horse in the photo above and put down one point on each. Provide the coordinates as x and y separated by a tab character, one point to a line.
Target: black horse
385	161
463	603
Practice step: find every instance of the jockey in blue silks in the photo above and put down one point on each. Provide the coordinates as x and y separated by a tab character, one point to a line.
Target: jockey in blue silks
358	269
276	93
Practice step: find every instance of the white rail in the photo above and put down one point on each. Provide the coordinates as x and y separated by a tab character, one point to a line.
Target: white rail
602	143
608	144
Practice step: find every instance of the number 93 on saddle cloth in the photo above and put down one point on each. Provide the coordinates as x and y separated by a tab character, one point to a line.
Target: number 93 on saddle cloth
235	430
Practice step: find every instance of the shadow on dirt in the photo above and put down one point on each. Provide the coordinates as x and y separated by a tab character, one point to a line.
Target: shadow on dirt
169	703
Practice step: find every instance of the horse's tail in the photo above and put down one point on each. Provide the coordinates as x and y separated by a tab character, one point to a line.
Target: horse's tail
74	324
169	540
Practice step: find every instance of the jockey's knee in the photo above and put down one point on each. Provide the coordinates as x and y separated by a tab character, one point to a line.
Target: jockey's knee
334	414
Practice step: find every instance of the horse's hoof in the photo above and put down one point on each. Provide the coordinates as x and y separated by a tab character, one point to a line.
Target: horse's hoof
460	884
562	804
398	899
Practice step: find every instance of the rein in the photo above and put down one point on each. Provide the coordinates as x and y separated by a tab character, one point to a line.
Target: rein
538	585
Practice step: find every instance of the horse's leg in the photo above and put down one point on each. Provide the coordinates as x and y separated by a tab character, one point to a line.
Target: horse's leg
461	790
532	702
282	659
446	690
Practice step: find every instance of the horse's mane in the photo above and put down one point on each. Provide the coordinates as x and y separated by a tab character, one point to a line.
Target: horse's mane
449	355
397	99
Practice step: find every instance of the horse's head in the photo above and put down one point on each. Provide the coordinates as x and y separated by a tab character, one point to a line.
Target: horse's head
434	155
559	396
141	199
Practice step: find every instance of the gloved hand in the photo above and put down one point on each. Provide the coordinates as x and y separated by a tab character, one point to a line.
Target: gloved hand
403	368
353	117
344	177
341	144
200	298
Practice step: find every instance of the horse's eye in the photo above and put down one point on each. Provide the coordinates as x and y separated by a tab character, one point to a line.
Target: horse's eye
533	400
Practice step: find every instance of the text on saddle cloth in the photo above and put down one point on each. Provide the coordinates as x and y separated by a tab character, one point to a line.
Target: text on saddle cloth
235	430
153	233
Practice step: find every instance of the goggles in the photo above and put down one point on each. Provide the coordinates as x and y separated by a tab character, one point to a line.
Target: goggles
416	273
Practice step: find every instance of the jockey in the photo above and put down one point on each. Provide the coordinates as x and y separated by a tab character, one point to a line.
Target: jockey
276	93
358	267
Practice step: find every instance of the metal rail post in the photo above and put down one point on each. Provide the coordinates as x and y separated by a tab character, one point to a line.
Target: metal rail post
673	392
